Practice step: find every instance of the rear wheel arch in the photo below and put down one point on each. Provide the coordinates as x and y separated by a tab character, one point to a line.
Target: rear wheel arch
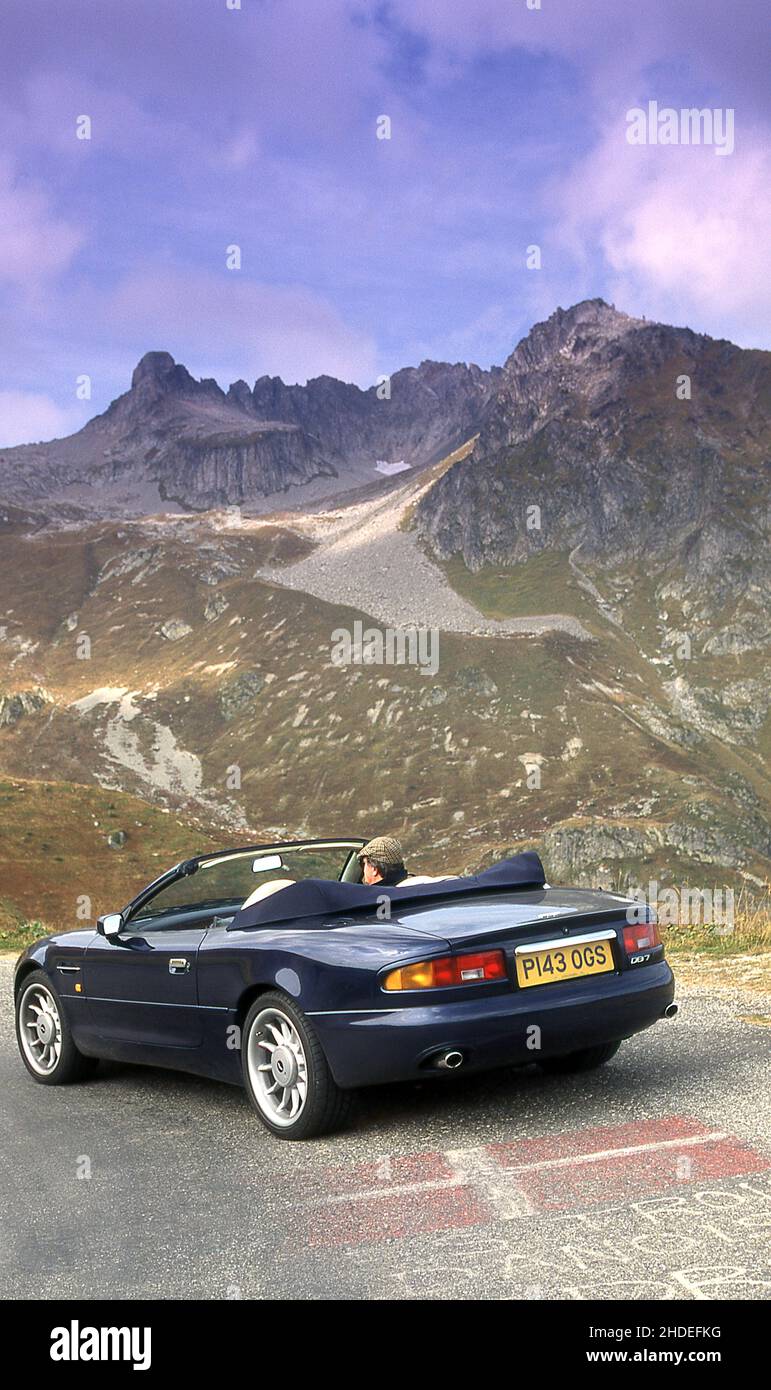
255	988
248	997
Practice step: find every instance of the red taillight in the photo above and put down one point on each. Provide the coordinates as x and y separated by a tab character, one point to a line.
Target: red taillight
449	970
642	936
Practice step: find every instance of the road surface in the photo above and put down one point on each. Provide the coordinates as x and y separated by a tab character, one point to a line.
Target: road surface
650	1179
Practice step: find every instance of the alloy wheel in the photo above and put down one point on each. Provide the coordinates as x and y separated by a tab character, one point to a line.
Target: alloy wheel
40	1029
278	1068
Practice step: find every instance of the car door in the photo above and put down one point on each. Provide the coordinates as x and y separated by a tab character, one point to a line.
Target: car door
142	987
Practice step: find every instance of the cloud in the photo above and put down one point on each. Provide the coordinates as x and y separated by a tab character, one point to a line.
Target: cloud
612	41
30	416
184	78
681	232
241	150
228	326
35	243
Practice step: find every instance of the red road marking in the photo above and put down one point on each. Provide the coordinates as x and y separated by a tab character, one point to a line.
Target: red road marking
629	1177
389	1217
576	1142
418	1193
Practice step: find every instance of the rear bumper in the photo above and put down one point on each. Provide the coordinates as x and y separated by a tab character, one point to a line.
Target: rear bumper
396	1044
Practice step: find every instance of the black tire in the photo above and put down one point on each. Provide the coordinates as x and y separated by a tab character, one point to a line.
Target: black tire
324	1107
585	1060
71	1064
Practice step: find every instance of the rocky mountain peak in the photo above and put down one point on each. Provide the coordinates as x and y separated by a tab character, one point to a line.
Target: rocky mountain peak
239	393
158	383
571	333
158	368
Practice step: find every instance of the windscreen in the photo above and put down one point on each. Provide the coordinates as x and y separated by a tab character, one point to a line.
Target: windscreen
225	883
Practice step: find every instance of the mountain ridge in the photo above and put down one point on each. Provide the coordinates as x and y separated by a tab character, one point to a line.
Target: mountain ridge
173	439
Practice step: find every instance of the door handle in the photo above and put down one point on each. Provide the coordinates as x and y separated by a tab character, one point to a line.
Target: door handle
178	965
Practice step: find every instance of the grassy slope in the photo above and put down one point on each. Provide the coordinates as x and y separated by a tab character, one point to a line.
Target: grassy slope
321	749
521	591
54	852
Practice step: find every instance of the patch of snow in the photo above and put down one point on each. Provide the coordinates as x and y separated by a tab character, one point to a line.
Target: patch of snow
389	469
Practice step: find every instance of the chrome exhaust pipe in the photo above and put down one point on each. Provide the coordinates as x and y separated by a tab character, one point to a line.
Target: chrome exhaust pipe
449	1061
671	1011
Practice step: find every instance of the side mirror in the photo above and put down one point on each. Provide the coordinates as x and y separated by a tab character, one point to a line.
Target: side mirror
111	925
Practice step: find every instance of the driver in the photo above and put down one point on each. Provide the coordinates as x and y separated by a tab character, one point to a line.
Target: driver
382	861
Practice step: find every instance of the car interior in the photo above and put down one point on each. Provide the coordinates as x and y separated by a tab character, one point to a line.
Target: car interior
224	883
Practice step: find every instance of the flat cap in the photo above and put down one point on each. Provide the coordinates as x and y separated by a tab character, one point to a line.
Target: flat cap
384	849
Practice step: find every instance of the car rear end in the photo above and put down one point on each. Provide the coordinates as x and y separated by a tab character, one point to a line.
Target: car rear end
513	978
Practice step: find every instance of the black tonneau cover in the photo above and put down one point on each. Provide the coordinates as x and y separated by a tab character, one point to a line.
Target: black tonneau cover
314	897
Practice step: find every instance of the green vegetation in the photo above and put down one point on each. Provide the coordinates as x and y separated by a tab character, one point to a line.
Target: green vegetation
16	938
542	584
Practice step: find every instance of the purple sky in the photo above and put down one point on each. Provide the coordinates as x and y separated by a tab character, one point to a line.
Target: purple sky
258	127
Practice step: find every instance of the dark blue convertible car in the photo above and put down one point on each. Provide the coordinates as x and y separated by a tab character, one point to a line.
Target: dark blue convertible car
275	968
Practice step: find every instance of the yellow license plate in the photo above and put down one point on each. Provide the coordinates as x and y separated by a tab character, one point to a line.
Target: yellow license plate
564	963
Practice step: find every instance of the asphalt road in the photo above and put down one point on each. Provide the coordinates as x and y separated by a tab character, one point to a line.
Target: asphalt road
649	1179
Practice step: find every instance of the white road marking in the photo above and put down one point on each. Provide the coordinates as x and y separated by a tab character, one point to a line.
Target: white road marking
479	1167
601	1154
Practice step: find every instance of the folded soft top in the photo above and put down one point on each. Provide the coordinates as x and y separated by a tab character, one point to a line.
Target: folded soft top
315	897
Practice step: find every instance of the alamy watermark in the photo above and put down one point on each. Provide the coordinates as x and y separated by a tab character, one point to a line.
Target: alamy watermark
390	646
685	907
76	1343
665	125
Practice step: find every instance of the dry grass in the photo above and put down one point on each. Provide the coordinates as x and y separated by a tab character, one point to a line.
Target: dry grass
750	931
54	853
